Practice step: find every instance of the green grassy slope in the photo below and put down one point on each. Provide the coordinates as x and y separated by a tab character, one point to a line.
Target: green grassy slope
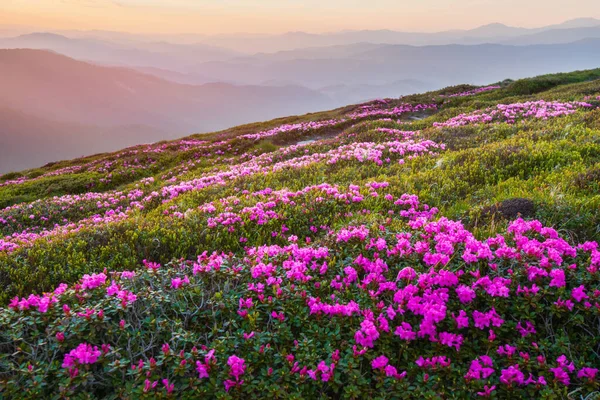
554	162
327	191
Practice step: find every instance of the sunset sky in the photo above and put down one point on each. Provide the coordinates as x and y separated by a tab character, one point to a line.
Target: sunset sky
273	16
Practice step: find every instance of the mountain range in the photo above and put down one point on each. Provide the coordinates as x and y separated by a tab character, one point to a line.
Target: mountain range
253	43
71	92
41	88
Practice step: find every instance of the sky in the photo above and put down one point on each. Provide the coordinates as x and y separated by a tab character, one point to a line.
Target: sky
276	16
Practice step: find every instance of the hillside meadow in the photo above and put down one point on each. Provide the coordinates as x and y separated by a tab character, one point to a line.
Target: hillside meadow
439	245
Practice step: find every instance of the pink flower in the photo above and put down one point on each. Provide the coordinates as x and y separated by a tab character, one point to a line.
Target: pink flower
526	330
462	320
379	362
405	331
480	368
506	350
465	294
587	373
82	354
202	370
176	283
451	340
487	391
152	266
484	320
579	293
558	278
512	375
93	281
169	387
148	385
335	356
367	335
560	375
230	383
237	366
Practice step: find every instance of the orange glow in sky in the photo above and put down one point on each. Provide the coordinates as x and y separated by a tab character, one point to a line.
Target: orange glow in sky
271	16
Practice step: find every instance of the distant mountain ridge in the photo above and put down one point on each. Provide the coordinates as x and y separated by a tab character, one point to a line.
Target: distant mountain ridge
152	54
87	99
219	47
438	65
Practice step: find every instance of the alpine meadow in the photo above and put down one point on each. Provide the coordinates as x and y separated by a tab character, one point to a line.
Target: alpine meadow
440	245
299	200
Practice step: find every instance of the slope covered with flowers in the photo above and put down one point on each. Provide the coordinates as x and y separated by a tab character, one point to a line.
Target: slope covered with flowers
340	255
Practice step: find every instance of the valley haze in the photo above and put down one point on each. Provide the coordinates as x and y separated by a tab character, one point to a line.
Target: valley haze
84	92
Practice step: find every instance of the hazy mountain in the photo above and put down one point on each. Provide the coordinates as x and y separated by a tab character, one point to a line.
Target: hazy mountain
555	36
492	33
383	64
178	77
74	95
109	46
151	54
575	23
28	141
362	92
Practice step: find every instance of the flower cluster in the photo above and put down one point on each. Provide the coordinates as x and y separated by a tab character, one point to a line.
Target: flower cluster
511	113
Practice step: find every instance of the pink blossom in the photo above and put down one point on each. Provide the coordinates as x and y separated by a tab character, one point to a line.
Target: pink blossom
82	354
367	335
380	362
558	278
579	293
587	373
237	366
202	369
512	375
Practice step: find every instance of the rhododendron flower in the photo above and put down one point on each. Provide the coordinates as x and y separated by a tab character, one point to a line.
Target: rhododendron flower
506	350
579	294
335	356
526	330
433	362
560	375
484	320
512	375
390	371
202	369
558	278
168	386
462	320
148	385
367	335
480	368
237	366
82	354
465	294
587	373
152	266
407	273
379	362
176	283
451	340
230	383
92	281
487	391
